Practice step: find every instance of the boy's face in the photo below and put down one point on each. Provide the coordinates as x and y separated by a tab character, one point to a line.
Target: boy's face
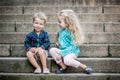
38	24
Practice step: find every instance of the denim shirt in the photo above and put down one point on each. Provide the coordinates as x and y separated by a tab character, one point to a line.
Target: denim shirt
33	40
66	43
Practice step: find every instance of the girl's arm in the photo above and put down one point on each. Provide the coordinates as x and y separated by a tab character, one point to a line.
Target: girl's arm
57	44
68	45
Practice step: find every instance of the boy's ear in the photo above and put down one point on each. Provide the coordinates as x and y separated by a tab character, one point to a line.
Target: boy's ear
44	21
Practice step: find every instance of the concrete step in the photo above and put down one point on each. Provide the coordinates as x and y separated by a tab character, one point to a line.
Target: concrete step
91	38
59	2
77	9
21	65
11	9
53	27
47	9
55	9
52	76
87	50
83	17
111	9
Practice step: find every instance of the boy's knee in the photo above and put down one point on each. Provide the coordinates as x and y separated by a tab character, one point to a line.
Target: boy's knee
41	52
29	54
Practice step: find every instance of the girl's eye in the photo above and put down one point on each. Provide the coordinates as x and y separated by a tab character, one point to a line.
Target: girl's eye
59	21
36	23
40	24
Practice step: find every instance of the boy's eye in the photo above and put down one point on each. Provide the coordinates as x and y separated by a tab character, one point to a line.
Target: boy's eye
39	23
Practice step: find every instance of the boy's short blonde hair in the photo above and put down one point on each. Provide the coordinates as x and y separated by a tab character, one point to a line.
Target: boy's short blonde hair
40	15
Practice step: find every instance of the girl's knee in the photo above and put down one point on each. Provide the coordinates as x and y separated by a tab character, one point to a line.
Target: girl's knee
52	50
66	61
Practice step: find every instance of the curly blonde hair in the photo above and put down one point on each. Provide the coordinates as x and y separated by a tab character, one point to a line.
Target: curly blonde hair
73	25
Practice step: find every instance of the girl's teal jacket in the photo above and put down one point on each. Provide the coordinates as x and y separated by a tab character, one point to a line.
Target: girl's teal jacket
67	45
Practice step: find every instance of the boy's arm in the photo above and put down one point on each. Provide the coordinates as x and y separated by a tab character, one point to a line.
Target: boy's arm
46	44
27	43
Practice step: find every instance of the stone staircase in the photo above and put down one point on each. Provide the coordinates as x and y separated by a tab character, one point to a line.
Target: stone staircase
100	20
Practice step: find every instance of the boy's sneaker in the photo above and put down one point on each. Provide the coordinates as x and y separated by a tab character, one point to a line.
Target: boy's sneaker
60	71
46	71
89	70
37	71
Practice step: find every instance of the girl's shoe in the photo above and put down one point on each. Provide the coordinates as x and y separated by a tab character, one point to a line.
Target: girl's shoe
89	70
37	71
46	71
60	71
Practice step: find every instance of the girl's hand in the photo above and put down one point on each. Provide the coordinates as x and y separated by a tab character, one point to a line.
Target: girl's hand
59	57
57	44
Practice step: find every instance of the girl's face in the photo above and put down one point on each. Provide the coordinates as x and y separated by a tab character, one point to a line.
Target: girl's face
61	22
38	24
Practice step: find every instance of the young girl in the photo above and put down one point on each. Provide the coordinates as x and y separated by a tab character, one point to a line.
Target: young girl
37	42
69	38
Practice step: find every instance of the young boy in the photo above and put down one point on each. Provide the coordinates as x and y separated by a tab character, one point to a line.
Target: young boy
36	42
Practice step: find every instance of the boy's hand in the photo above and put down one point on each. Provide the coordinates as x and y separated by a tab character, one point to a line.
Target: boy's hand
40	49
33	49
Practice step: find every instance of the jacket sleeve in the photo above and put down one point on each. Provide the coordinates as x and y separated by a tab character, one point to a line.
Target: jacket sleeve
46	43
27	43
69	46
